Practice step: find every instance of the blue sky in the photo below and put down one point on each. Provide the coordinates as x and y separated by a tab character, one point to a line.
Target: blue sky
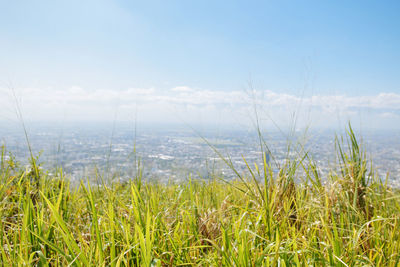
295	48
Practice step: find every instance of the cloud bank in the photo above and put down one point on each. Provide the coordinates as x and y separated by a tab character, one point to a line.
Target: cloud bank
192	105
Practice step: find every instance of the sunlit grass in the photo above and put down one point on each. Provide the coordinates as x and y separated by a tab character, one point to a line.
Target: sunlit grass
265	219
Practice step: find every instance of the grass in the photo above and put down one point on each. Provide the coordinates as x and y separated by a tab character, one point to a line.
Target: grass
264	219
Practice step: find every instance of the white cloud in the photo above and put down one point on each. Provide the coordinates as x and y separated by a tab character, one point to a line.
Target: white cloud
189	104
389	115
182	89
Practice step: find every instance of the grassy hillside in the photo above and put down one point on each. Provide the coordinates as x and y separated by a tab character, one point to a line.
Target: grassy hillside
265	219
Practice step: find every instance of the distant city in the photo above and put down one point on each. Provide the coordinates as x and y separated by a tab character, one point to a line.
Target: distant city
173	153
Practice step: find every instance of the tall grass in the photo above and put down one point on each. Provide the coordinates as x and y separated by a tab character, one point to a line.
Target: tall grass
263	219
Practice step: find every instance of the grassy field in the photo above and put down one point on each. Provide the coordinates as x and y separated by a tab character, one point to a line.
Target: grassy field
269	218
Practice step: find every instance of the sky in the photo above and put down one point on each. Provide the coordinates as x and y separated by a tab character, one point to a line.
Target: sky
319	62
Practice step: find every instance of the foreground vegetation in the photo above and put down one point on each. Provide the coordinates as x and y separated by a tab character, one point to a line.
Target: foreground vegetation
289	217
